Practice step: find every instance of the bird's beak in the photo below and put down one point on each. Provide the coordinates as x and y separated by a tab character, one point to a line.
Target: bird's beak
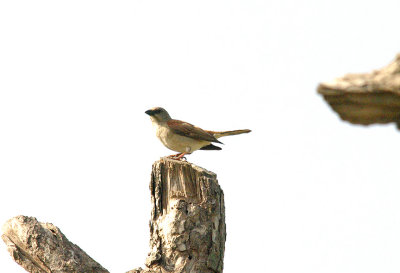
149	112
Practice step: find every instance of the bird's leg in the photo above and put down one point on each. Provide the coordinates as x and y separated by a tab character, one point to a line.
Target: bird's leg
181	156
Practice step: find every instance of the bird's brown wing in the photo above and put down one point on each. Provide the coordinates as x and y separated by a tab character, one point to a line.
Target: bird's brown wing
188	130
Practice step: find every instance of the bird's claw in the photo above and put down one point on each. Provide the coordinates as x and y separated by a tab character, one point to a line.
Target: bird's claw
179	156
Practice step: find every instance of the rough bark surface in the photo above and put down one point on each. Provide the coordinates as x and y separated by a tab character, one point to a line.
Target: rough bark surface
366	98
43	248
187	226
187	229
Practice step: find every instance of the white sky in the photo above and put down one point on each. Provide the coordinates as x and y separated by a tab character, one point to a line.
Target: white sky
304	192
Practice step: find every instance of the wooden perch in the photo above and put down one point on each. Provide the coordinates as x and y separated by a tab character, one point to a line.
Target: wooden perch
366	98
187	228
42	248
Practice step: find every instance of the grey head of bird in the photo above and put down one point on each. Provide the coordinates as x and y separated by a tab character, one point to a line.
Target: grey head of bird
158	114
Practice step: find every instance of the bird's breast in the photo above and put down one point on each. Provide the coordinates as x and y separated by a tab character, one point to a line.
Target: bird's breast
178	142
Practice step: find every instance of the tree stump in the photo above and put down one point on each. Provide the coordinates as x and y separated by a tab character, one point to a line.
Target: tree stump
366	98
187	228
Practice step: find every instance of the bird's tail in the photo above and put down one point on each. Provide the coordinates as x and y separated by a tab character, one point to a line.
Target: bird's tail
229	133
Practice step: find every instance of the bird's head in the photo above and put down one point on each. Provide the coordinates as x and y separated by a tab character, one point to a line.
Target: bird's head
158	114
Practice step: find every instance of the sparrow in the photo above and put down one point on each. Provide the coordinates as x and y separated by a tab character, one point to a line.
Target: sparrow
184	137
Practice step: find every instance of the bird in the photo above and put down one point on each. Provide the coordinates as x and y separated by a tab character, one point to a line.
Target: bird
183	137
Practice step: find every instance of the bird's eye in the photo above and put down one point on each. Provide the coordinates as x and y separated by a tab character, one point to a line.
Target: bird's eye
157	111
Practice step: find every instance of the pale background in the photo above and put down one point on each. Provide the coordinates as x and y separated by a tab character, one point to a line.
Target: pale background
304	192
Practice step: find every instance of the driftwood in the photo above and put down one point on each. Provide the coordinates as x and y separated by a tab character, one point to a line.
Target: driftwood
366	98
42	248
187	228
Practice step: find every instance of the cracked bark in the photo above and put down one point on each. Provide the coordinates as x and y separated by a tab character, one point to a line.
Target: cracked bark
366	98
187	228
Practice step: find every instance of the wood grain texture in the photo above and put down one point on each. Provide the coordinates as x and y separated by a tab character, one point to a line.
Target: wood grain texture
43	248
366	98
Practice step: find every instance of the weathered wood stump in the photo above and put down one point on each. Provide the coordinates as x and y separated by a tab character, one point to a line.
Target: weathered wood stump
366	98
187	228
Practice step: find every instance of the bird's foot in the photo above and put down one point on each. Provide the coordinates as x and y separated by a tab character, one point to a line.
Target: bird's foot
179	156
